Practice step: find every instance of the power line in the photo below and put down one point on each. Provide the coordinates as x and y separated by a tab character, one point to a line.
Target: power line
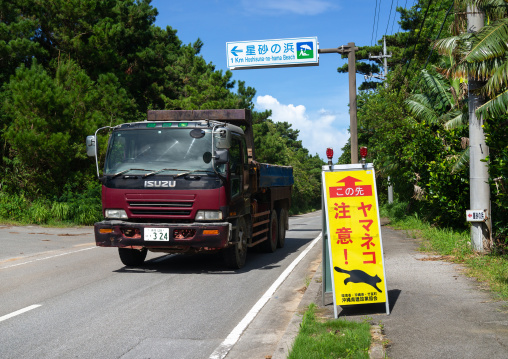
395	15
374	26
389	17
378	12
439	34
418	37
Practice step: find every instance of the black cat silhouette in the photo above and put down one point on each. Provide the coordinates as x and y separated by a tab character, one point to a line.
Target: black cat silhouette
359	276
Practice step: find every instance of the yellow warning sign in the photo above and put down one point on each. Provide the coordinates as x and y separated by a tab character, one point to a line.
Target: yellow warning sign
354	233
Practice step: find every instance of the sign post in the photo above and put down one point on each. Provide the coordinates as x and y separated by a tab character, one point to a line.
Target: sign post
354	235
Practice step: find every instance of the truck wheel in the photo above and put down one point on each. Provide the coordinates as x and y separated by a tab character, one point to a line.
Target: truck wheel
236	255
132	257
282	228
270	245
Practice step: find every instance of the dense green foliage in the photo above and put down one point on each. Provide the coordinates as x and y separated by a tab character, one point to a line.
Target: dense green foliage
70	67
415	124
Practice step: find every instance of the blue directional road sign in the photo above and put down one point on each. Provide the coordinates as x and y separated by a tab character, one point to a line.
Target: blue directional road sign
301	51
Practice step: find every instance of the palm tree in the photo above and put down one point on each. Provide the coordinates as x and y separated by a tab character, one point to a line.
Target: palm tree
441	102
483	56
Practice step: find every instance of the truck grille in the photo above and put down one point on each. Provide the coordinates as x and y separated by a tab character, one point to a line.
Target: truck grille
160	204
154	207
161	212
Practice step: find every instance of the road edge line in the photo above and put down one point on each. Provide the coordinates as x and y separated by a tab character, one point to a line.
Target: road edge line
224	348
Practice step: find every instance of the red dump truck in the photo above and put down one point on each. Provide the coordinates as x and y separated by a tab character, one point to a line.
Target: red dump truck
188	182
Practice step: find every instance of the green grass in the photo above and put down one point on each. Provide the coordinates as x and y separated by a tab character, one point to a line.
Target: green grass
491	269
336	338
70	210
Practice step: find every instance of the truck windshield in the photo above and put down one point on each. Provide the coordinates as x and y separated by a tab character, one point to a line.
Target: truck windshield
170	151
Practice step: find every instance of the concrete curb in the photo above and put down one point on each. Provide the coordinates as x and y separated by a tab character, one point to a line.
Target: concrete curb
310	295
313	294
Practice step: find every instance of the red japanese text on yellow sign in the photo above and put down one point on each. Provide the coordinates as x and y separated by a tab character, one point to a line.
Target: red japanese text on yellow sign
355	239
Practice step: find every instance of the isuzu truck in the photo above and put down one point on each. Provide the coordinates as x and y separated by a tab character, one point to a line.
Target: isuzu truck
187	182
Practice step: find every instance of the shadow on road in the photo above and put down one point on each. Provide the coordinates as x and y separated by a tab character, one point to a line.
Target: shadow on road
212	263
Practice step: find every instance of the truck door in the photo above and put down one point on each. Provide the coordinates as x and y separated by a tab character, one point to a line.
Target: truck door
238	175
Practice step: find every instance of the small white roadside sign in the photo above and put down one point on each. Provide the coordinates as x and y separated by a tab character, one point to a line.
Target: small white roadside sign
291	52
476	215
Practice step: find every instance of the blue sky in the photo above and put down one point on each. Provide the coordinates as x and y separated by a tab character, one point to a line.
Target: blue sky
312	99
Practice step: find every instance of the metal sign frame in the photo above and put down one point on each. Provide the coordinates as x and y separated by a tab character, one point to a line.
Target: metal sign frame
359	256
291	52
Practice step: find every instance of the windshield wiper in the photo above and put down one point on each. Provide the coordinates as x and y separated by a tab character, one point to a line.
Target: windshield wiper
125	171
194	171
161	170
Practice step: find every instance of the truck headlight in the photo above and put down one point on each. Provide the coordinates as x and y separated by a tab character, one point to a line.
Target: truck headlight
208	215
115	214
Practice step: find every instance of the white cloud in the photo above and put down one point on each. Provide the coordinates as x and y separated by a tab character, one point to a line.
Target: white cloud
299	7
318	131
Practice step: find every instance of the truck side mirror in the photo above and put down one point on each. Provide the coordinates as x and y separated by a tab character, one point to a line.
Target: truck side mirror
91	142
223	137
221	157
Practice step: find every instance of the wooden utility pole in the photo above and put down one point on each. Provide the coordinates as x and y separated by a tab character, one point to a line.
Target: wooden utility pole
350	50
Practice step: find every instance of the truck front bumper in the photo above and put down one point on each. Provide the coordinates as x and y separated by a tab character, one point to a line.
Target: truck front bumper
170	236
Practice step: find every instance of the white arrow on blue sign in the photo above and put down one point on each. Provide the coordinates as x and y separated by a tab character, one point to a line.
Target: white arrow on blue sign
301	51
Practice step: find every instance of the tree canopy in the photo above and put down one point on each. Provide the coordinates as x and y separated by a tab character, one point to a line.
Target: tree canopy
70	67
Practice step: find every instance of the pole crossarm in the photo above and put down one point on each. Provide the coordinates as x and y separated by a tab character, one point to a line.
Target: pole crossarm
343	50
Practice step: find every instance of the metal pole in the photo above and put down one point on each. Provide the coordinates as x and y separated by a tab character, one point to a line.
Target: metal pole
350	49
352	102
385	63
479	191
384	56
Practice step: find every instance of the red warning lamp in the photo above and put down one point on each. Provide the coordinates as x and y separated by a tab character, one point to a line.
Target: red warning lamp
329	153
363	152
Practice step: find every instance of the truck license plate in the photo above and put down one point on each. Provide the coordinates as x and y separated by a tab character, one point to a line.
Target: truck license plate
156	234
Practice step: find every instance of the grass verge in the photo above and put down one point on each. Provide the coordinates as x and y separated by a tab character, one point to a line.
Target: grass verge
337	338
72	209
491	269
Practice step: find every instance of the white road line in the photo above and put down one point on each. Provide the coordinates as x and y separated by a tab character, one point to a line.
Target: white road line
223	349
18	312
50	257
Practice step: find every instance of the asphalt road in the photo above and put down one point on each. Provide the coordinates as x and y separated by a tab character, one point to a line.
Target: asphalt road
62	297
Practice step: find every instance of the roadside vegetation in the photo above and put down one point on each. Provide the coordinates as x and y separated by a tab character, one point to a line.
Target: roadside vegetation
448	244
330	339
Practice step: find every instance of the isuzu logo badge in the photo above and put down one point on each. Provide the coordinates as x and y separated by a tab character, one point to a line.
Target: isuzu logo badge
159	184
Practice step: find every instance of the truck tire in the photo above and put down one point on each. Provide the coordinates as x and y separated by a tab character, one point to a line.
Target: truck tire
270	245
236	255
282	228
132	257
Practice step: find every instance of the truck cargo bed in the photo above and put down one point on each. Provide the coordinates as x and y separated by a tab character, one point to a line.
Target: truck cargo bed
275	176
